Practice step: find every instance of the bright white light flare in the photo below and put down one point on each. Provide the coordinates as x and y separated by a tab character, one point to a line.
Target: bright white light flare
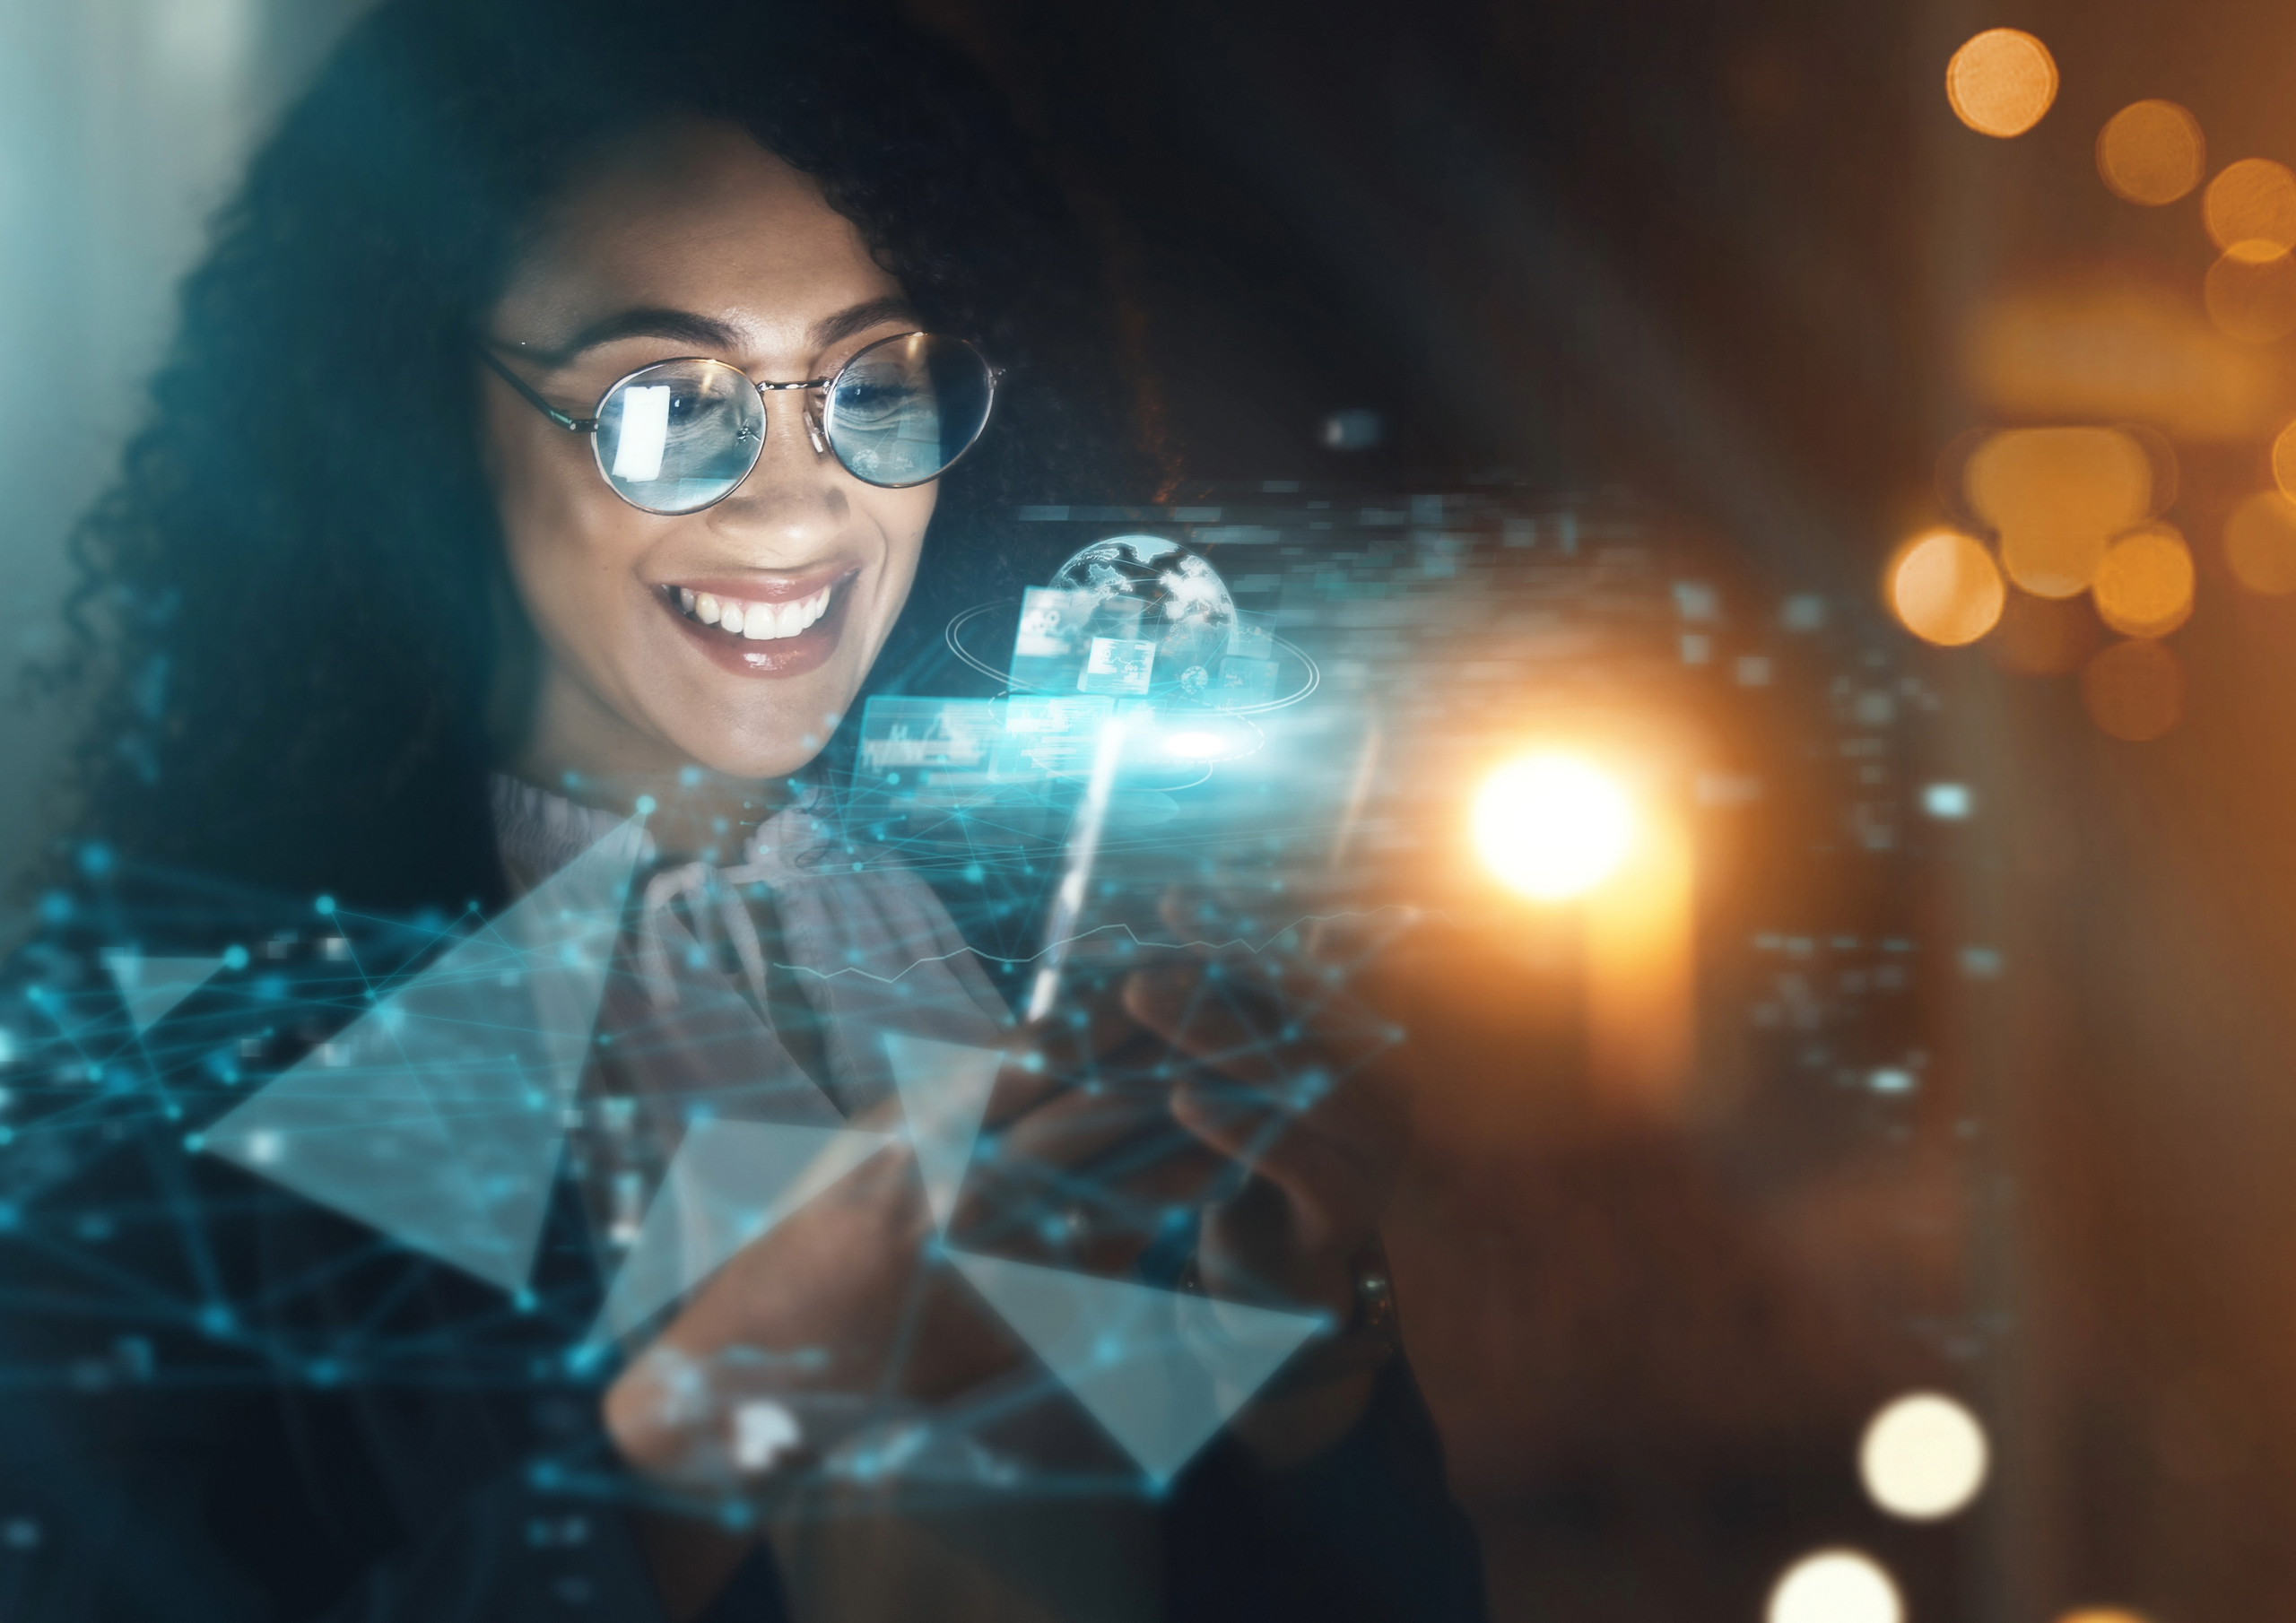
1924	1457
1835	1587
1552	826
1195	745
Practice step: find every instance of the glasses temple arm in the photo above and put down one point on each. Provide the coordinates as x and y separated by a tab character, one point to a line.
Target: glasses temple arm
579	425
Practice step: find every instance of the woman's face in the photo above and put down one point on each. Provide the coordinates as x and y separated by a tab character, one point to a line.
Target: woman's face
694	241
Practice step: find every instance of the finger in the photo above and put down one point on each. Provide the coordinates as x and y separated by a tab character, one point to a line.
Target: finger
1330	1183
1129	1204
1145	1153
1073	1044
1092	1148
1228	1022
1258	1092
1256	1025
1077	1127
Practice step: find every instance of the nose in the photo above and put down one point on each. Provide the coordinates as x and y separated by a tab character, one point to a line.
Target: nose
794	496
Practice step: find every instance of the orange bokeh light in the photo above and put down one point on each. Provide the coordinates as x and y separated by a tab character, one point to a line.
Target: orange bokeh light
2001	81
2134	691
2152	152
2260	544
2284	461
2250	209
2252	299
1944	589
2058	497
2144	587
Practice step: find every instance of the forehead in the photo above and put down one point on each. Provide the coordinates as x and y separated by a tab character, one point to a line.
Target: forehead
691	216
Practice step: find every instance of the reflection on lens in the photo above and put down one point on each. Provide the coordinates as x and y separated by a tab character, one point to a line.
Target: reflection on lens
677	437
644	414
904	409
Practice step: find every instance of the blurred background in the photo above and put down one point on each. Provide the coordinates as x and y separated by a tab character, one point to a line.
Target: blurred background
1913	373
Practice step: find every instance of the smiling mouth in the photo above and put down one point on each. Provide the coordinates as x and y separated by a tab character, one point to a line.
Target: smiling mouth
770	633
753	622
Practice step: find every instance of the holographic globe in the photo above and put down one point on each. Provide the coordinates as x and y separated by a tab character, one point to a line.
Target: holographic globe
1160	592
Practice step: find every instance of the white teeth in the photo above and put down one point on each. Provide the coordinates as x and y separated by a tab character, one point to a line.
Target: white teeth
757	621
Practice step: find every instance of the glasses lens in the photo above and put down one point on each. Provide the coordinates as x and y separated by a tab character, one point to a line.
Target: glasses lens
903	410
679	436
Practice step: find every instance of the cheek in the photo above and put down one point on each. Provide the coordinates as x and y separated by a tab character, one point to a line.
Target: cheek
901	517
564	533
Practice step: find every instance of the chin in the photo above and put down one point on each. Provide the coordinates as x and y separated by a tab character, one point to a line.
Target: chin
771	745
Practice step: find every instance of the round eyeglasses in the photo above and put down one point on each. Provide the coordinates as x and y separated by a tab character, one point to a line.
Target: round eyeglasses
679	436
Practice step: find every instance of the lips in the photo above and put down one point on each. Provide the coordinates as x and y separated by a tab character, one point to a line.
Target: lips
761	628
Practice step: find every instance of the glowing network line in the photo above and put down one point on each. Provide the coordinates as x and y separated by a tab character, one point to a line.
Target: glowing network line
440	1118
731	1183
152	987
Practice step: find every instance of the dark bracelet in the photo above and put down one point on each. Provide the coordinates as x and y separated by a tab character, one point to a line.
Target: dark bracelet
1366	1342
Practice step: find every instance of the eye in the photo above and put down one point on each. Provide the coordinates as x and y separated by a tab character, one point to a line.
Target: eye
686	401
864	395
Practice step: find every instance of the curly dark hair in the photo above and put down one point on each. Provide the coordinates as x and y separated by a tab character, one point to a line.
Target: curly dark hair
288	612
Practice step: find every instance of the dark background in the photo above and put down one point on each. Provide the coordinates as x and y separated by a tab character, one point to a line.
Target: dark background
1724	255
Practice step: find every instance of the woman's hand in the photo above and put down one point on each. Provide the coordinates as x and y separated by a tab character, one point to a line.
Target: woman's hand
1302	1086
837	1306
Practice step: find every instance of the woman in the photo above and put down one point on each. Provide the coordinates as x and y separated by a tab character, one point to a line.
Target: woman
478	511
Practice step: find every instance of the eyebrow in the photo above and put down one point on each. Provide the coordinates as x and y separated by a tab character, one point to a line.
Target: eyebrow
861	318
705	332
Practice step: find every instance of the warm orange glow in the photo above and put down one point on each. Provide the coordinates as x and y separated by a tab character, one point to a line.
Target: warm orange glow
2143	588
2058	497
2152	152
2119	350
1642	971
1944	589
2103	1614
2134	691
2001	81
2044	635
2260	544
2250	209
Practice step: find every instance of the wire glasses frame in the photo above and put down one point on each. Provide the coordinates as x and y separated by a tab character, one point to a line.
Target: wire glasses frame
676	437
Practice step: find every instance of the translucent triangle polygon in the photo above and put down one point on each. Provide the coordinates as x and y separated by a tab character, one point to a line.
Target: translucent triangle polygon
152	986
1160	1370
944	1090
729	1183
438	1116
